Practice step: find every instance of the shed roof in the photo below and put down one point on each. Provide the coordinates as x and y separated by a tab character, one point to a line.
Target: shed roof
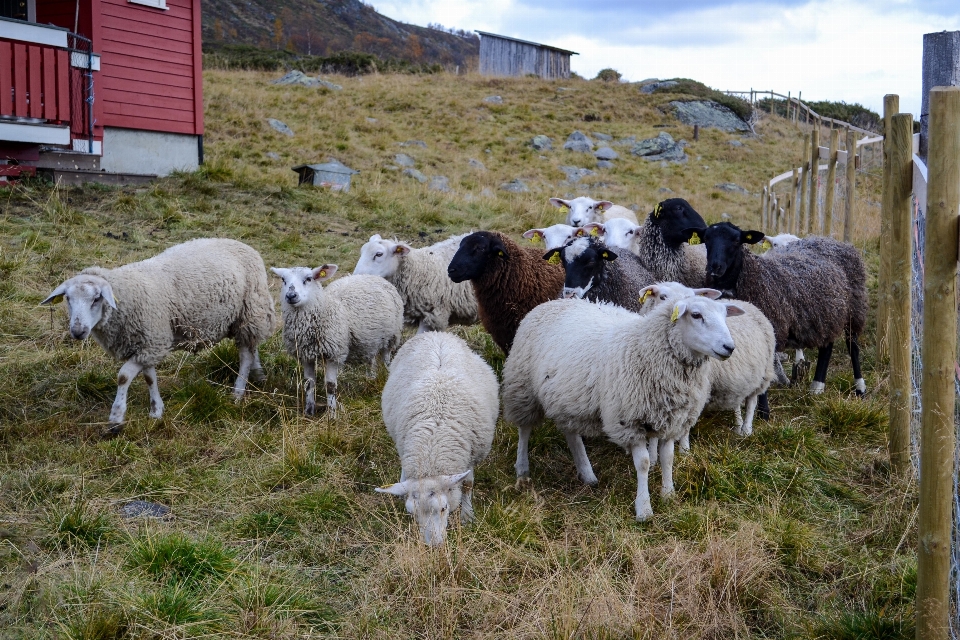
535	44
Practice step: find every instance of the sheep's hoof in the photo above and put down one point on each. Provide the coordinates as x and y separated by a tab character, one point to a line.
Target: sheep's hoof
644	513
258	376
112	431
310	410
800	371
590	482
524	483
667	495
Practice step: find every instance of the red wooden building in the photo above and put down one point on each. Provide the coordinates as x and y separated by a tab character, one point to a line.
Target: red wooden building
100	89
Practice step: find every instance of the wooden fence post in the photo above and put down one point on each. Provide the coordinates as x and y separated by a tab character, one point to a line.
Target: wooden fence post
763	209
804	179
794	186
937	432
899	301
831	180
782	221
891	106
851	186
812	213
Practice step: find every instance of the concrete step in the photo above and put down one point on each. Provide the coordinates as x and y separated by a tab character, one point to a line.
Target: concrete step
68	161
81	176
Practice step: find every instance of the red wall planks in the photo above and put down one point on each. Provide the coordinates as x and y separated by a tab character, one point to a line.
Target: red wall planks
49	84
63	84
20	78
6	79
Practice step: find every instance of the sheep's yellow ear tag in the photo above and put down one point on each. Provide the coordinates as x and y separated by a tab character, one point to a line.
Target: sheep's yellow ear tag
656	211
749	237
595	231
323	273
694	239
676	314
554	259
580	232
766	244
536	239
398	249
59	299
500	253
646	294
605	255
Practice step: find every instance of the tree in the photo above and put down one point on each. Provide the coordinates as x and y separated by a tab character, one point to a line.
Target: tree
217	30
413	46
278	32
608	75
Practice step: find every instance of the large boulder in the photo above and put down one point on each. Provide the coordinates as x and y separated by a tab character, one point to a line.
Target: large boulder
541	143
708	113
577	141
663	147
650	87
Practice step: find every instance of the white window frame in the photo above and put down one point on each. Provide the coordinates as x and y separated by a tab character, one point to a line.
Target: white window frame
156	4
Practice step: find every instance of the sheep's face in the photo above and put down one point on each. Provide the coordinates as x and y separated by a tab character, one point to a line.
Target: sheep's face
429	501
674	216
618	233
779	241
478	252
582	210
652	296
724	243
86	297
583	261
551	237
702	324
379	257
301	283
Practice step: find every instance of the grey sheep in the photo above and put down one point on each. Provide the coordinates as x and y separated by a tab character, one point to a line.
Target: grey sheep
599	274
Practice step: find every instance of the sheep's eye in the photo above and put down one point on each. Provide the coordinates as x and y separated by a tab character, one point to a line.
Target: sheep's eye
307	279
695	315
443	510
379	254
98	298
663	296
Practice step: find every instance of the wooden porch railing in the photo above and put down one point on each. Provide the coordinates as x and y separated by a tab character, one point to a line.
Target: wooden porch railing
34	81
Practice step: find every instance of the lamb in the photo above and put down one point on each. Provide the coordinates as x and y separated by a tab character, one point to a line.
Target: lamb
190	296
788	285
552	237
430	298
584	210
599	274
633	378
777	241
440	406
508	281
352	320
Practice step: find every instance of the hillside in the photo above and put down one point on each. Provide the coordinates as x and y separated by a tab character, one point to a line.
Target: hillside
274	529
324	27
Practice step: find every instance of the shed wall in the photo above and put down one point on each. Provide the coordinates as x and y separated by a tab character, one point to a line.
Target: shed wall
500	57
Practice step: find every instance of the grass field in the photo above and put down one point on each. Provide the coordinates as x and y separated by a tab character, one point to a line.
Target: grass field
274	529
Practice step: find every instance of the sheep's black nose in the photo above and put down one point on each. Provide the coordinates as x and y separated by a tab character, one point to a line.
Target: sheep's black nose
292	297
78	333
729	348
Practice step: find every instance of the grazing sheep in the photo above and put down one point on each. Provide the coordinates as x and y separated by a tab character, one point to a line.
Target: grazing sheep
440	406
633	378
552	237
584	210
508	281
191	296
430	298
594	272
813	290
352	320
777	241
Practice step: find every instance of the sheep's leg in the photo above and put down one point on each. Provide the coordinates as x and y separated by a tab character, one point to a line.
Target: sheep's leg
310	387
653	446
466	499
738	422
858	381
641	460
372	369
763	406
666	468
156	402
580	459
422	327
523	451
246	361
330	371
256	372
684	442
386	354
128	372
820	377
747	428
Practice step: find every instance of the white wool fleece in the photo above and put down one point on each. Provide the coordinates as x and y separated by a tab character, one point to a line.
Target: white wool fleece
584	210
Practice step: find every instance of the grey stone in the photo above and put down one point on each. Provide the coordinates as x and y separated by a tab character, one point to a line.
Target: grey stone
650	87
392	167
602	136
280	127
371	120
328	84
563	88
634	207
629	141
487	192
297	77
414	143
541	143
273	155
577	141
575	174
648	81
731	188
708	113
515	186
726	216
144	509
487	150
476	164
665	190
734	143
605	164
404	160
440	183
493	100
662	147
605	153
416	175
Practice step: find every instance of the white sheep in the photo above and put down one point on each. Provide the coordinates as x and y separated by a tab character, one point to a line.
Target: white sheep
778	241
618	233
430	298
191	296
552	237
627	376
584	210
440	406
353	320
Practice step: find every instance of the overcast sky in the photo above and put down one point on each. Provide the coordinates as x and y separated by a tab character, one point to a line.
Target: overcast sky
849	50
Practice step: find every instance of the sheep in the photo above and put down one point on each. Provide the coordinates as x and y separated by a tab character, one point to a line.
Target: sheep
634	377
190	296
786	286
599	274
440	406
552	237
430	299
583	210
508	281
777	241
352	320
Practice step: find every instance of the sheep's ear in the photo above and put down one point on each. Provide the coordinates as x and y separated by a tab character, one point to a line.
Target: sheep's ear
552	256
559	203
603	205
107	293
534	235
401	249
399	489
678	310
713	294
449	482
766	244
375	238
325	272
646	292
608	255
499	249
751	237
56	295
692	235
734	311
592	228
281	273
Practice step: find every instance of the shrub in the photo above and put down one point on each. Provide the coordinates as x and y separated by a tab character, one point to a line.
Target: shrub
608	75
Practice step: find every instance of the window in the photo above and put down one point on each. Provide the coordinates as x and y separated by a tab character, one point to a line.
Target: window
156	4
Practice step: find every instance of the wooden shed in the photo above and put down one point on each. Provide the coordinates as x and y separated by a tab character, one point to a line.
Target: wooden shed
503	56
99	88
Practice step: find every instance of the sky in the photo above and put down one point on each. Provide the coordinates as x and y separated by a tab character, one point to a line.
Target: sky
848	50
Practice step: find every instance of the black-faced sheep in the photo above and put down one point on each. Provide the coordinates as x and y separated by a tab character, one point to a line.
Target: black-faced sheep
599	274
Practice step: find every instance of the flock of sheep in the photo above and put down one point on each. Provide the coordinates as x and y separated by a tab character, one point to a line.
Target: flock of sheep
607	326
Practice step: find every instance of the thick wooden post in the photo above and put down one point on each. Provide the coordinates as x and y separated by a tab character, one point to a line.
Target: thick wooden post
812	213
937	432
891	106
941	68
831	180
794	187
804	179
900	303
763	209
851	186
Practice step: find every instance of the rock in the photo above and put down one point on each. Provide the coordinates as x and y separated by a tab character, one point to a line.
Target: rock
297	77
476	164
493	100
734	143
575	174
605	164
577	141
371	120
731	188
605	153
541	143
328	84
404	160
392	167
515	186
273	155
708	113
726	216
563	88
416	175
487	192
487	150
414	143
629	141
648	81
280	126
440	183
634	207
665	190
144	509
662	147
650	87
602	136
